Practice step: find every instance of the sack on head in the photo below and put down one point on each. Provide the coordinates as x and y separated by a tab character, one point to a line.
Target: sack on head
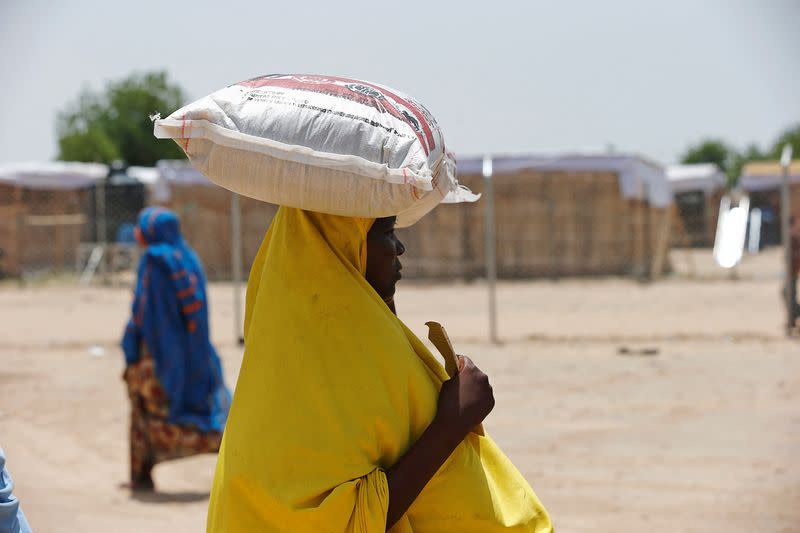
322	143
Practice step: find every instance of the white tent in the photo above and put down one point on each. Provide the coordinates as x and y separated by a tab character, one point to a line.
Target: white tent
158	179
63	175
706	177
767	175
639	178
157	186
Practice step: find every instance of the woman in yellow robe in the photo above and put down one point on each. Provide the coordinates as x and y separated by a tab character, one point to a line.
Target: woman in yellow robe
342	420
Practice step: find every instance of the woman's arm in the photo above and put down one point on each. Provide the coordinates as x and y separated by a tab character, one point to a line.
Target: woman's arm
464	402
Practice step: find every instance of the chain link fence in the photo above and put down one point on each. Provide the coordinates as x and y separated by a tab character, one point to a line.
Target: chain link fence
47	233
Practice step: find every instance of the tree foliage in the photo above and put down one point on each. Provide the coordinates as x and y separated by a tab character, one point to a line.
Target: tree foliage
751	153
710	151
115	124
789	136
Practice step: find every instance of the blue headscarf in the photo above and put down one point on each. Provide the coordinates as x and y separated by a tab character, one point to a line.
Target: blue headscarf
170	315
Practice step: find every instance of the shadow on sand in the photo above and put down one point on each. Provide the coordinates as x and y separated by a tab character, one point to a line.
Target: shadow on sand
169	497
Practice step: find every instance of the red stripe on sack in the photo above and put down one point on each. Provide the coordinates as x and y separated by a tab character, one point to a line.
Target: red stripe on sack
407	103
191	326
183	133
178	275
324	86
271	80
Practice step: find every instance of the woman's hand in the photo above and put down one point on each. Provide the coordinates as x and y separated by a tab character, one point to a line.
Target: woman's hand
465	400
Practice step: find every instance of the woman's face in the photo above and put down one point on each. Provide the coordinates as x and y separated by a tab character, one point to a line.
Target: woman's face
383	250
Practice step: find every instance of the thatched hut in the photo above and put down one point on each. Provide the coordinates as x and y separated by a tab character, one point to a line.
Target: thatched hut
697	190
569	215
556	216
762	181
43	214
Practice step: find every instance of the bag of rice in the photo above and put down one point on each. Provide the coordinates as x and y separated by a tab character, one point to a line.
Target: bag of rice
322	143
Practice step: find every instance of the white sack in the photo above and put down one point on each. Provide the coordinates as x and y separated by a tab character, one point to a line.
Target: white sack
321	143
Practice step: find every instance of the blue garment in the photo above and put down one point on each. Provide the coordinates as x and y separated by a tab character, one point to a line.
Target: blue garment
126	233
170	315
11	518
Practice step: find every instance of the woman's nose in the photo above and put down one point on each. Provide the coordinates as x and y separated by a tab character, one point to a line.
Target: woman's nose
401	249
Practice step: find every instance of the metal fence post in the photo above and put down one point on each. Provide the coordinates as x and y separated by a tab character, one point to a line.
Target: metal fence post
786	209
102	228
491	252
236	265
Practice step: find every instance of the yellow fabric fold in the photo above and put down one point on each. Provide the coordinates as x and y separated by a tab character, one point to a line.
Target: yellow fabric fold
333	389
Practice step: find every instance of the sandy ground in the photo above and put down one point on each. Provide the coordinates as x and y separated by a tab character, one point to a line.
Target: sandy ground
663	407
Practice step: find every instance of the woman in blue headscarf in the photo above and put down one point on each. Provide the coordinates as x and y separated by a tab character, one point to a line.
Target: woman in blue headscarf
179	402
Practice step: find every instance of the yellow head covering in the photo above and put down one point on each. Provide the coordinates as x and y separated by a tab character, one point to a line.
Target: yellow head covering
333	389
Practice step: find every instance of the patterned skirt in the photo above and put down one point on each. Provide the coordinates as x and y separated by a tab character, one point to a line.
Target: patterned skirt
153	439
